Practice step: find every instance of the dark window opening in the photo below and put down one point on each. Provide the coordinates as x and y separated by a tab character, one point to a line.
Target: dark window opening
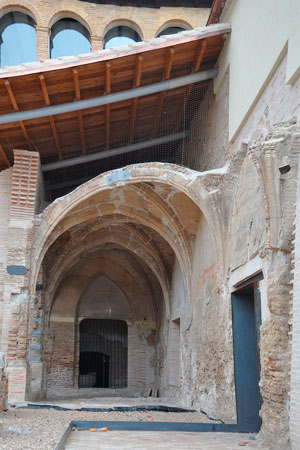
103	353
171	30
120	35
17	39
69	37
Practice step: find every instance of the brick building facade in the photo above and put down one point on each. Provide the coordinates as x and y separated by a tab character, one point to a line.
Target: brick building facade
174	248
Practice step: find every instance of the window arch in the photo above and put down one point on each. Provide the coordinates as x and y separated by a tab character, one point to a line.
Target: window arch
69	37
17	39
173	27
121	35
171	30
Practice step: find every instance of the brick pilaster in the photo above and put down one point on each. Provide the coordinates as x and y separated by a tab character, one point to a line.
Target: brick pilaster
96	43
42	42
15	336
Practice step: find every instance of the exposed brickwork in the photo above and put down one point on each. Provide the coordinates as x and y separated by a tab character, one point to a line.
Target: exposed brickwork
276	358
59	354
24	183
295	365
20	184
100	18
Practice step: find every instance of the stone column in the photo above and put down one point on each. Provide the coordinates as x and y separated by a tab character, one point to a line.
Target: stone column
96	43
42	42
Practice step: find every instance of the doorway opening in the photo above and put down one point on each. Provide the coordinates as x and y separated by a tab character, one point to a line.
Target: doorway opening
103	353
246	321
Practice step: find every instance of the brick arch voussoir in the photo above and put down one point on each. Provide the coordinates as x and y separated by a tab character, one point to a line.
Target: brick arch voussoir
21	6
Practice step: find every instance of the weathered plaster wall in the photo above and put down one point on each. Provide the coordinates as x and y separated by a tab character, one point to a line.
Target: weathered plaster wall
209	148
248	228
262	31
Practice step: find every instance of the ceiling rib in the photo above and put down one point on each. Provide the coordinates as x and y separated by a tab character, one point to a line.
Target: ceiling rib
108	98
114	152
79	113
51	118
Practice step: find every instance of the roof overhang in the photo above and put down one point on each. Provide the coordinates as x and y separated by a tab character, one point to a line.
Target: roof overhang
76	106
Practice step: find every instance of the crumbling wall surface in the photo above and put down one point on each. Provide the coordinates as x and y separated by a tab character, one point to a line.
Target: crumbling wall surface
18	191
208	147
207	347
295	364
262	230
59	355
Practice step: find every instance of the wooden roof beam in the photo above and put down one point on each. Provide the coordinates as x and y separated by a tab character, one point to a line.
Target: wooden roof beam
51	118
161	97
4	156
198	58
137	83
79	113
16	108
107	107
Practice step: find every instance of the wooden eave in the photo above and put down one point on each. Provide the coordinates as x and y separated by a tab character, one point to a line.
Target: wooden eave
92	130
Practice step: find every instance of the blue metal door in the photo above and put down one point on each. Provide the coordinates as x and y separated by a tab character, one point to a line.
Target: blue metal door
246	358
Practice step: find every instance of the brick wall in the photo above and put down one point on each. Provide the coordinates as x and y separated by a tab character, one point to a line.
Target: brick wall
100	18
18	189
59	354
295	365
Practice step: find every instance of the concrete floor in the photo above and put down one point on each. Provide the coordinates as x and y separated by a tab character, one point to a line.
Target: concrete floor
112	440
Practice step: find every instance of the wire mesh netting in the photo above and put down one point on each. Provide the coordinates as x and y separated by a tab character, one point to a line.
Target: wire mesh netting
178	121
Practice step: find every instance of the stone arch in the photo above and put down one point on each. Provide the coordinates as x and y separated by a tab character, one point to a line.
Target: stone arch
174	23
71	15
125	22
184	180
23	7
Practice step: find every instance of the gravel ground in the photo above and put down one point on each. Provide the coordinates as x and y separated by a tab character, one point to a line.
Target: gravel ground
41	429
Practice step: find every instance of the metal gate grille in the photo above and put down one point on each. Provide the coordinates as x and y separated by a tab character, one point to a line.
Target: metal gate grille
103	353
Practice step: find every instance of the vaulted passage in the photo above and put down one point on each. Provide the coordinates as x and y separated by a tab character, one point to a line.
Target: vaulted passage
118	292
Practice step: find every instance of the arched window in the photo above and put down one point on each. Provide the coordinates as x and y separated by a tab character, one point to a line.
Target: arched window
69	37
17	39
120	35
171	30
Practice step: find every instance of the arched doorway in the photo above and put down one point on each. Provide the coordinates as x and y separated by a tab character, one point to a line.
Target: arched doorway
102	314
103	353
